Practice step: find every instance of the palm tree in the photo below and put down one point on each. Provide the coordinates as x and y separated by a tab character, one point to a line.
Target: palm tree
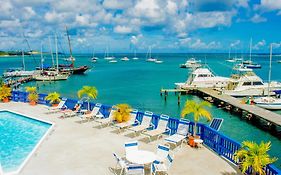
31	89
198	110
89	92
255	156
122	114
53	97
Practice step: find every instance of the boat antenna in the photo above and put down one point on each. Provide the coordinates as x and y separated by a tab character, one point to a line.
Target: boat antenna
269	72
51	49
69	44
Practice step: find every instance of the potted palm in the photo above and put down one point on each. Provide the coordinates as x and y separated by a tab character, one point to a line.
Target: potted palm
54	98
254	156
122	113
32	96
90	92
198	110
5	93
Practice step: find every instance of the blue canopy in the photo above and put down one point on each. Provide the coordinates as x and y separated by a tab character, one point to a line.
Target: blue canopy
277	92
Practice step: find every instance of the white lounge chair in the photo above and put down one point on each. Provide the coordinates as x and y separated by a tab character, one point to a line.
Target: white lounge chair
108	120
71	113
162	152
161	128
180	136
95	113
145	124
125	166
60	106
131	146
133	121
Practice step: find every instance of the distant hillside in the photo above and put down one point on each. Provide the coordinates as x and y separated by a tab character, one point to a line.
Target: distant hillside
13	53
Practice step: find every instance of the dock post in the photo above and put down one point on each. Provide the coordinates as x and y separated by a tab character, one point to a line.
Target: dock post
179	99
166	94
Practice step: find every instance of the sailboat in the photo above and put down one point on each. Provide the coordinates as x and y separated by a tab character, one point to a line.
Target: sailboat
135	57
94	58
148	56
47	75
106	55
231	60
268	102
249	63
71	68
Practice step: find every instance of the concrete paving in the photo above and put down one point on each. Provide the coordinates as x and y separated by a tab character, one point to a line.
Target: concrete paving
75	148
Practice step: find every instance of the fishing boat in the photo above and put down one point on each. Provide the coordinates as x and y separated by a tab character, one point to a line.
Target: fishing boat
125	59
247	83
270	102
203	78
249	63
191	63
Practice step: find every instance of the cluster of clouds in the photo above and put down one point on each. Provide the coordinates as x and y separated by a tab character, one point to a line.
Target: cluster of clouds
137	21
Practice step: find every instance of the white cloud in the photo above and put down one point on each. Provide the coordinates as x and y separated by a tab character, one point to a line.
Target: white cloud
84	20
184	41
81	40
235	43
135	39
6	9
10	23
269	5
242	3
258	19
171	7
122	29
276	45
259	45
28	12
116	4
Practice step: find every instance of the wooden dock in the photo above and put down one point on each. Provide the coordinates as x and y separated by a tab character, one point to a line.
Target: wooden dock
272	119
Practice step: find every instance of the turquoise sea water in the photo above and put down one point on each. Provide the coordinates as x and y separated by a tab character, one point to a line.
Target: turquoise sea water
138	83
18	137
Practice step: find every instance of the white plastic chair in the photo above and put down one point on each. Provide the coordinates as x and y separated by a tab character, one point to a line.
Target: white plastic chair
163	167
162	152
134	169
131	147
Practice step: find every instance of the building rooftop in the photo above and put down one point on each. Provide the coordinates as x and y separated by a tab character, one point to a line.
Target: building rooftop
73	147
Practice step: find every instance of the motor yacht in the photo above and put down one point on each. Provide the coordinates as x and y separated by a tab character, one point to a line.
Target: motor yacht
191	63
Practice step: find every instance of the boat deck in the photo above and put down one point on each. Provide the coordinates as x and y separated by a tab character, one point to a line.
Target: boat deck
83	148
263	113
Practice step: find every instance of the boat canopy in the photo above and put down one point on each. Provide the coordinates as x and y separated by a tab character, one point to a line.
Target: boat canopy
278	92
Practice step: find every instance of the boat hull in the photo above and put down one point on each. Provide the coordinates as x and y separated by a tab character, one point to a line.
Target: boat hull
270	106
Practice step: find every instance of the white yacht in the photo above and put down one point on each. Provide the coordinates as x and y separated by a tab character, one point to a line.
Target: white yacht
113	61
158	61
247	83
69	59
125	59
191	63
50	76
203	78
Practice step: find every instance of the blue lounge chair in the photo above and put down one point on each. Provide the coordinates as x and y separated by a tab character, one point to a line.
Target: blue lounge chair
216	123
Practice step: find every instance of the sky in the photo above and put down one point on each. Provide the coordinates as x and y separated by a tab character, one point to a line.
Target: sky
129	25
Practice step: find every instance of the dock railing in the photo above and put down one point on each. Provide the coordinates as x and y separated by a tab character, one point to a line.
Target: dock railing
214	140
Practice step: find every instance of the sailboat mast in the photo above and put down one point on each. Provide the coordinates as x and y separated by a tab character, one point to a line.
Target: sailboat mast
251	49
57	56
149	51
269	72
53	62
229	53
42	60
23	62
69	44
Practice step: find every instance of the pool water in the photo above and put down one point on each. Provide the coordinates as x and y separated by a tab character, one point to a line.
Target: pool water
18	137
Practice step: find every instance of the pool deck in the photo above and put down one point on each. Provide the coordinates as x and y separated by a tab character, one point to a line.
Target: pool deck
83	148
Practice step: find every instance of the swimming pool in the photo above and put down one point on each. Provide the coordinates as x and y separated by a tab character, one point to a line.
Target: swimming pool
19	137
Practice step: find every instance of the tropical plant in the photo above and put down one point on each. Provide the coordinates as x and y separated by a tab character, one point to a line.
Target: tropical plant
255	156
31	89
122	113
90	92
1	81
33	97
198	110
5	92
53	97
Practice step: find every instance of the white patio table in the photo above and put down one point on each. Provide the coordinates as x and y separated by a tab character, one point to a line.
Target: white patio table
141	157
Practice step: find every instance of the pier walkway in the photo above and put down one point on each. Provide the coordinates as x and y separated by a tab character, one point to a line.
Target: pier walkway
267	115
